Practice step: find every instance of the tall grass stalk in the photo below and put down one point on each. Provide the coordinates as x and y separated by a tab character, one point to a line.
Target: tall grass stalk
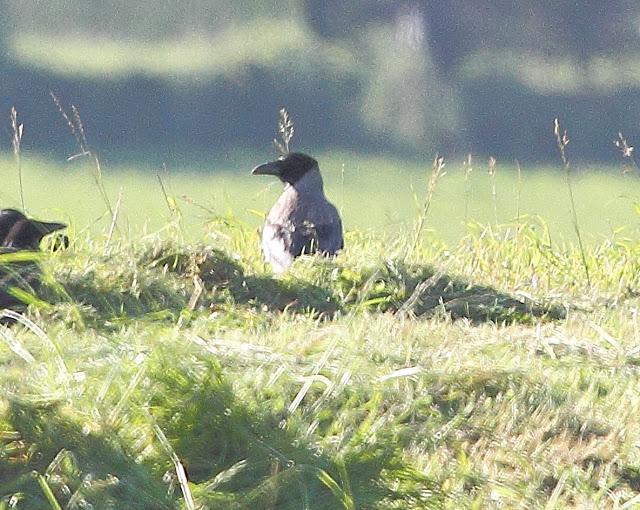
518	196
341	493
563	140
494	193
46	489
16	141
436	172
342	189
180	471
114	222
467	186
627	152
77	130
171	202
285	130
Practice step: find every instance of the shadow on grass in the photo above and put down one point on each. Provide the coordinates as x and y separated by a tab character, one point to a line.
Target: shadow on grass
223	280
457	299
20	278
45	449
422	291
105	300
237	452
165	283
325	288
251	453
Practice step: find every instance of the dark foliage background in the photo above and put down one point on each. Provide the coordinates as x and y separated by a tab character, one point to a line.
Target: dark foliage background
166	80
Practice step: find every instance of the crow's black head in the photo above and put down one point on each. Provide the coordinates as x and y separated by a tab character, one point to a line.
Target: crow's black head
19	232
289	168
8	218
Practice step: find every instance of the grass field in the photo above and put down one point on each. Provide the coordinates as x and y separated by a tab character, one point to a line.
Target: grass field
172	370
372	194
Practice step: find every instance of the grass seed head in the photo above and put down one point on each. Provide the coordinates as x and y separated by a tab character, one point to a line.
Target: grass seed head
285	130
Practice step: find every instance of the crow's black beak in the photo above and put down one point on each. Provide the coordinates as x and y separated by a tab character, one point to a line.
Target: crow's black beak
272	168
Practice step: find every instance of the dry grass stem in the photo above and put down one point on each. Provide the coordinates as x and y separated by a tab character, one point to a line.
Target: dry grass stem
437	171
468	168
562	140
76	127
494	193
16	141
170	200
114	223
627	152
285	130
518	196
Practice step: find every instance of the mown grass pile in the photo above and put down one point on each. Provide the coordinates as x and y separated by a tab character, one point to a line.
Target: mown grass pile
168	375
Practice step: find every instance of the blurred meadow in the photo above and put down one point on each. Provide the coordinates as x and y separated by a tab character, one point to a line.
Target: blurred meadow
374	194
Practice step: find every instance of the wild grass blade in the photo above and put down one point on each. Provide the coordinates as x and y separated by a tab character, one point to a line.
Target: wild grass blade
562	141
16	142
114	223
340	494
468	168
76	126
285	131
518	197
46	489
437	171
180	471
494	192
172	203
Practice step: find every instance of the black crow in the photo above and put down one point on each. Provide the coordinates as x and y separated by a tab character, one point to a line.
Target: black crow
21	233
20	274
8	218
26	234
302	220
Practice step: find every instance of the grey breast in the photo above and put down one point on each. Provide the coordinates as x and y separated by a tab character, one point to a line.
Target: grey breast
301	221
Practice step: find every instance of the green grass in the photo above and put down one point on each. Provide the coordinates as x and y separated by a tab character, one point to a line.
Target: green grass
372	194
484	373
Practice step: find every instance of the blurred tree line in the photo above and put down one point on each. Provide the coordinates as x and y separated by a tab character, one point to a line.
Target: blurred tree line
413	77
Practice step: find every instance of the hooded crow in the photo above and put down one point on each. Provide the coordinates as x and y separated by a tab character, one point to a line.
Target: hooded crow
8	218
19	233
26	234
302	220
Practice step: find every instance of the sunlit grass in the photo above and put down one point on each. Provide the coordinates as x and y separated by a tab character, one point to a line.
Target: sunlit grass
372	193
405	373
323	389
